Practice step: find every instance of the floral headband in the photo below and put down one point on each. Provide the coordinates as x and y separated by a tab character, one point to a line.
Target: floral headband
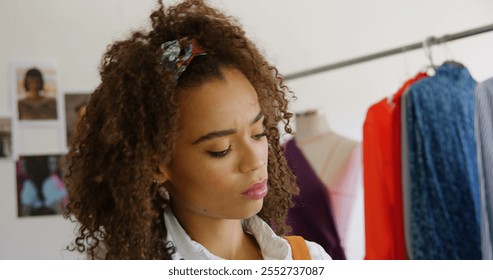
177	54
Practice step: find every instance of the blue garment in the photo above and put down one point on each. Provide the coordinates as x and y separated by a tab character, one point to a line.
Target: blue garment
445	209
484	137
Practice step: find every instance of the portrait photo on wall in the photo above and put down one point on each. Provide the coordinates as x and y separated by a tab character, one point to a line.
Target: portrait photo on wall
75	107
35	90
40	187
5	137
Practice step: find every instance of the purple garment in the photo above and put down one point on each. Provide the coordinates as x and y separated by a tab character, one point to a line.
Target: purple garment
311	217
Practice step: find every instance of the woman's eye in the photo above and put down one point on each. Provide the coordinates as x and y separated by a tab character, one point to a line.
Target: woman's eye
259	136
220	154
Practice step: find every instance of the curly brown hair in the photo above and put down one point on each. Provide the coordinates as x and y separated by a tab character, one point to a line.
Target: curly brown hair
132	116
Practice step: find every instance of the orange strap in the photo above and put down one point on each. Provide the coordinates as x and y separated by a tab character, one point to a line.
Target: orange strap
298	247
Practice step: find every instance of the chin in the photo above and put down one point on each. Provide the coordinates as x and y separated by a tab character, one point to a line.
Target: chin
245	211
252	209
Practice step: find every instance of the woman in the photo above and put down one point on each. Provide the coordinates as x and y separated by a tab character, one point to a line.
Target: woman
178	155
36	106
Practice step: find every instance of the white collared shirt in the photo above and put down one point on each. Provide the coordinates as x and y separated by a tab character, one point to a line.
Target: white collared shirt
273	247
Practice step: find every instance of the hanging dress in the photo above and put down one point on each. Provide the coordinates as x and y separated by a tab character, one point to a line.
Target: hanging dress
484	136
442	164
384	230
312	217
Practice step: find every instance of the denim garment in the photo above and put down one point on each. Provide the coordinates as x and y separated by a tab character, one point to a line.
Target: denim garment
484	136
444	183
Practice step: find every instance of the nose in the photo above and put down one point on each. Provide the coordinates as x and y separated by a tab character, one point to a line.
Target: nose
253	158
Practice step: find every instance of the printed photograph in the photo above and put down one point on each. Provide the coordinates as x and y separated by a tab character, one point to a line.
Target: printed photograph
75	107
37	90
40	188
5	138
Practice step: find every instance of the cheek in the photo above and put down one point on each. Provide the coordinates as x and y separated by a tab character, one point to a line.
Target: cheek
214	177
263	150
201	173
217	172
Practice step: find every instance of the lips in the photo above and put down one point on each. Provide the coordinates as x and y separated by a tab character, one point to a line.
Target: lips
256	191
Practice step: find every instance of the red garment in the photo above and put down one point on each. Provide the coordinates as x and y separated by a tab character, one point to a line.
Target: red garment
382	175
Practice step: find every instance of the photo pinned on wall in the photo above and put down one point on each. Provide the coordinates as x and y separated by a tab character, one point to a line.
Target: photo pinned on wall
75	107
40	187
5	137
35	91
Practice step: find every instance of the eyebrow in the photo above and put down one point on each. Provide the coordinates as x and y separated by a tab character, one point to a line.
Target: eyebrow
222	133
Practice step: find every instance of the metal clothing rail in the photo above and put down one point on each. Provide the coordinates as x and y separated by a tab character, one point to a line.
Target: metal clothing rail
429	41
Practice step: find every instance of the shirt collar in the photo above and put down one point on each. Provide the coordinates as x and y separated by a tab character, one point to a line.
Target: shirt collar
272	246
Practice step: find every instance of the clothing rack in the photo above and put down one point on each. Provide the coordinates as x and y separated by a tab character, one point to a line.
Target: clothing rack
429	42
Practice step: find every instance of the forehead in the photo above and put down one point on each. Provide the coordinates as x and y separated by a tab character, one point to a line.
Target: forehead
218	103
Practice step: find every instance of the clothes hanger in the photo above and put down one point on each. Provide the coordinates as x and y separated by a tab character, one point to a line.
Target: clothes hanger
449	57
431	67
407	74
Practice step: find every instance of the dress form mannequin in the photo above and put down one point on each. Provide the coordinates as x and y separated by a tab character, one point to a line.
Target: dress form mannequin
337	162
324	149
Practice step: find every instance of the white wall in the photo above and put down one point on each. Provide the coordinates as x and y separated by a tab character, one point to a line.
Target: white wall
294	34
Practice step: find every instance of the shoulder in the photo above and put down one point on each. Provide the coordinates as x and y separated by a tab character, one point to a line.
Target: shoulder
317	252
50	100
23	102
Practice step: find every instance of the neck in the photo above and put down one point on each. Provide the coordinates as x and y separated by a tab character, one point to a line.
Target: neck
311	125
224	238
34	95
